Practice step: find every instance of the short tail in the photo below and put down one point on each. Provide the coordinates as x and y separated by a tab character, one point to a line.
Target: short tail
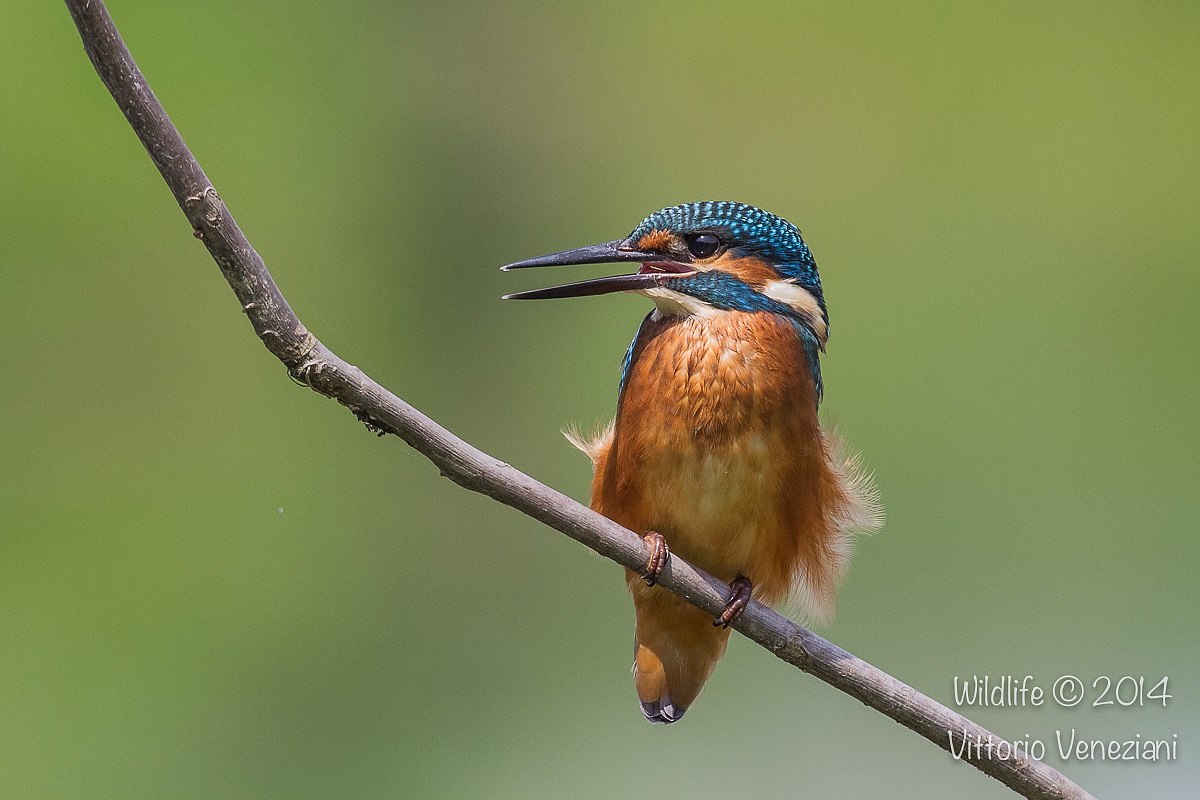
676	649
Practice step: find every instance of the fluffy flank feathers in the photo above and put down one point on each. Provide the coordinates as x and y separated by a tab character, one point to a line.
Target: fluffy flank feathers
595	444
857	511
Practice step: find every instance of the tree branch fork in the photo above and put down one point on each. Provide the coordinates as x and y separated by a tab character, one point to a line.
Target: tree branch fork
309	362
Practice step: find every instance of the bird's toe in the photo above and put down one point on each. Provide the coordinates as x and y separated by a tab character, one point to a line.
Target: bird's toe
658	557
739	597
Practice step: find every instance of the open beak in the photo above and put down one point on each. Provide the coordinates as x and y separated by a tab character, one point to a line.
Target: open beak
655	270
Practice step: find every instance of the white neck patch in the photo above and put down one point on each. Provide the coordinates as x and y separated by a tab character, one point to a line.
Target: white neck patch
797	297
671	303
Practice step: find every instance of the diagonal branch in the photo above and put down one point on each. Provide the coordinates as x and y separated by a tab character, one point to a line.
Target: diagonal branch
312	363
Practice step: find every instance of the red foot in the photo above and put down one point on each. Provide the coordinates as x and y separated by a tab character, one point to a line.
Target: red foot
739	597
658	556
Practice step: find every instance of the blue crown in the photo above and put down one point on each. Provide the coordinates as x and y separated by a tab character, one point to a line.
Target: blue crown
746	230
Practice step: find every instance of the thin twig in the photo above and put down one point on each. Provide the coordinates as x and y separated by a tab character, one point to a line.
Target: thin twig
312	363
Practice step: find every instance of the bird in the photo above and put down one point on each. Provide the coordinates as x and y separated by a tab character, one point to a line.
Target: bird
716	452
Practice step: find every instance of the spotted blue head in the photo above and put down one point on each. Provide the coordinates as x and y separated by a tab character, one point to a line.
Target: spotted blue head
739	232
705	257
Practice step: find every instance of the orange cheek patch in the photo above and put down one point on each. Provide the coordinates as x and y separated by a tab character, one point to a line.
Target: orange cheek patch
654	240
753	271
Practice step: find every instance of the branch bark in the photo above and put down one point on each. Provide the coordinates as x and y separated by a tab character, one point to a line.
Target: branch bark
311	363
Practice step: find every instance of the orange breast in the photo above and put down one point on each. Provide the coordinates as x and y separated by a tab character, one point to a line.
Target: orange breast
717	446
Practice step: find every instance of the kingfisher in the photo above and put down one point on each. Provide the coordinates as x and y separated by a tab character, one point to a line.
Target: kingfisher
716	452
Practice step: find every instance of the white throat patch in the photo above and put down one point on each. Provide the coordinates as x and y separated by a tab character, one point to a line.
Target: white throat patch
671	303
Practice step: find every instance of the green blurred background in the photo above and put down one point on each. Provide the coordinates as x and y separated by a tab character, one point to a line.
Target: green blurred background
216	584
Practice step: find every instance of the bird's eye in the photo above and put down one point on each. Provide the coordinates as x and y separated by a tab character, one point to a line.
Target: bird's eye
702	245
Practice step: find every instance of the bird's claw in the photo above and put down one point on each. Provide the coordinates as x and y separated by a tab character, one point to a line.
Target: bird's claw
739	598
658	556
